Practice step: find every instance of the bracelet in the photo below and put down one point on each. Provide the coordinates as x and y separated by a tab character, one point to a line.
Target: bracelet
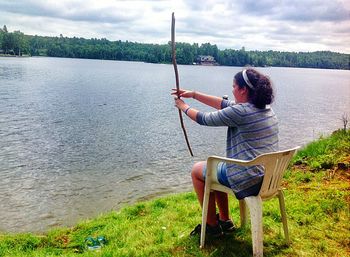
187	110
194	95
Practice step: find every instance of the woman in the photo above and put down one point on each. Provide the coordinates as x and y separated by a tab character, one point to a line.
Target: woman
252	130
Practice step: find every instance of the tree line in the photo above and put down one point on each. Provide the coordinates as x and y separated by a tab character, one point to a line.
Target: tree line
17	43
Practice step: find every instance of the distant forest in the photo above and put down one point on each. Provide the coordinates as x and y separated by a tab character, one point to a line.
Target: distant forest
17	43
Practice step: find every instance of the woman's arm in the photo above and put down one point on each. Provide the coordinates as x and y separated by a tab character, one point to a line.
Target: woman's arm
225	117
210	100
189	111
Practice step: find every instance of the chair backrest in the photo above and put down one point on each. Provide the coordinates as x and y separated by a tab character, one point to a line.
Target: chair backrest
275	164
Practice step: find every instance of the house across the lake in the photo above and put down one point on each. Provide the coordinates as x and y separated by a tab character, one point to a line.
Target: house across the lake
206	60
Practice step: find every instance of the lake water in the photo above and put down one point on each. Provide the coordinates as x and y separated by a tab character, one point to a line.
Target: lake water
81	137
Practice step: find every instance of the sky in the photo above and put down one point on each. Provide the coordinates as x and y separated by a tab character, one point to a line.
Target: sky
293	25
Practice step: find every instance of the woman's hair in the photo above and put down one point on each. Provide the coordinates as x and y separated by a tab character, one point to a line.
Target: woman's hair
260	88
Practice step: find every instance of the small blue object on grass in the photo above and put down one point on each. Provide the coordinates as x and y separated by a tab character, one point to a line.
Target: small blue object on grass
94	244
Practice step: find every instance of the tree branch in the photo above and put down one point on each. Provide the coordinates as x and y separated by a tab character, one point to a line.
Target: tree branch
177	79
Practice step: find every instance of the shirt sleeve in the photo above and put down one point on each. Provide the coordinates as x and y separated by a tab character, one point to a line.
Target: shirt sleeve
230	116
226	103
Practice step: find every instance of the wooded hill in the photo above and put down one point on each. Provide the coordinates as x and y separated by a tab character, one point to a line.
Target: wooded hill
17	43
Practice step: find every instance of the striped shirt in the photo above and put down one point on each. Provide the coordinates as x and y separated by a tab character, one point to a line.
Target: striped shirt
251	132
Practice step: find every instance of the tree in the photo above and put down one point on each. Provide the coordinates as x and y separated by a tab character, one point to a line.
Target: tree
1	37
20	43
4	39
8	43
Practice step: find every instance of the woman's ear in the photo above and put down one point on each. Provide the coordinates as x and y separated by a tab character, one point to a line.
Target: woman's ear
243	90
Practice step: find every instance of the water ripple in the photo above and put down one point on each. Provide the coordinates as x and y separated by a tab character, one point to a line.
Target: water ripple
81	137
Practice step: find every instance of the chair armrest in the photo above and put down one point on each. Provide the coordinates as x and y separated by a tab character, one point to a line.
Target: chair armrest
217	159
213	161
263	160
259	160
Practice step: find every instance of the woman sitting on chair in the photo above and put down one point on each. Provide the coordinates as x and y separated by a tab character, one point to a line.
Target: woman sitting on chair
252	130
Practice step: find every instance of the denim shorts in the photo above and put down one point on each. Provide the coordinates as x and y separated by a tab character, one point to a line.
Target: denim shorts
220	173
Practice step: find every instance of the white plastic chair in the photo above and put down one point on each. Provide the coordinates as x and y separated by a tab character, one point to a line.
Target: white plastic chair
274	165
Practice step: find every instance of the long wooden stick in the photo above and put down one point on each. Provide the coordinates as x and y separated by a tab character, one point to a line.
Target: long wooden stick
177	79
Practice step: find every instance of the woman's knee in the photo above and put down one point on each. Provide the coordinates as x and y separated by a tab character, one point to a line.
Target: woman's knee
197	170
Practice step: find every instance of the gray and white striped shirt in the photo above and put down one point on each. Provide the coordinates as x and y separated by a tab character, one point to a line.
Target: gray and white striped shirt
251	132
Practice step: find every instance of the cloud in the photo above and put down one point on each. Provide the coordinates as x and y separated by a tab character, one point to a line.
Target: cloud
90	11
316	11
299	11
292	25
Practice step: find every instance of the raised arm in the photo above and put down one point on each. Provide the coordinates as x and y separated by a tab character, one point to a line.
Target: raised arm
223	117
210	100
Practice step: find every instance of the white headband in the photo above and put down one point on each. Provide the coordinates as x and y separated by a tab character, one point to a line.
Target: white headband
246	79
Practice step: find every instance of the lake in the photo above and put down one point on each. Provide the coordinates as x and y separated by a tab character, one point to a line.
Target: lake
82	137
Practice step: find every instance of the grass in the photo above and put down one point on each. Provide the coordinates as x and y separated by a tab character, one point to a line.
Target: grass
326	152
317	198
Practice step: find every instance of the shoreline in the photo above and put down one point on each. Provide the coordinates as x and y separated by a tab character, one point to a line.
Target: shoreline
198	65
317	193
16	56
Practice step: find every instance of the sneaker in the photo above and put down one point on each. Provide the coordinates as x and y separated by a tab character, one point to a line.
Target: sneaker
214	231
227	225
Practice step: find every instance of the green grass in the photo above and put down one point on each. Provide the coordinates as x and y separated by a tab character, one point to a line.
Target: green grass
325	152
317	200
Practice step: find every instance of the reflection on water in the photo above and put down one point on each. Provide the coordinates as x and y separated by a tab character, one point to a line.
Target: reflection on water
81	137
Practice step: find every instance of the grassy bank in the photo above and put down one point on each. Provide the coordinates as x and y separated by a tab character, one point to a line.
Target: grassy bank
317	198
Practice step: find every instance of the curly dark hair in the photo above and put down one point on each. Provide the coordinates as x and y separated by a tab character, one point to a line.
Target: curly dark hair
262	92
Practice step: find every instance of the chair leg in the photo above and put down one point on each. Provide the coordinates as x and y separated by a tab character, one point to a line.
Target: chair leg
255	208
204	215
284	216
243	212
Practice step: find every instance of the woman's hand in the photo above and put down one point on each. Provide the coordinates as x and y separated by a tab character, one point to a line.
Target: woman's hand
179	103
184	93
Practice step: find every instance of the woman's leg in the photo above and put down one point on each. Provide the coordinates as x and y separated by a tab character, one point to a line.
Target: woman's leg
222	202
198	184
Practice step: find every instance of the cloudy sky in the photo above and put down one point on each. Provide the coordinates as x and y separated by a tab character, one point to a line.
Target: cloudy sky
284	25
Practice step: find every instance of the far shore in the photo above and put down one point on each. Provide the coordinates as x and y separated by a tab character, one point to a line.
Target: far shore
193	64
10	55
